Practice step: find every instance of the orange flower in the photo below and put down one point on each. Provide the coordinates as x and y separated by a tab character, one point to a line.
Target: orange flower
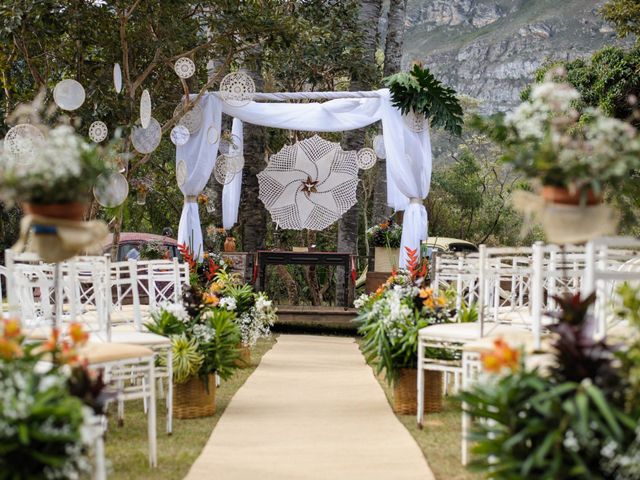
429	303
77	334
68	354
210	299
384	225
426	292
442	301
216	287
9	349
502	356
11	328
51	344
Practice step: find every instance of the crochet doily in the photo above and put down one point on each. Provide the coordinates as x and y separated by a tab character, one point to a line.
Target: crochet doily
98	131
146	140
184	67
237	89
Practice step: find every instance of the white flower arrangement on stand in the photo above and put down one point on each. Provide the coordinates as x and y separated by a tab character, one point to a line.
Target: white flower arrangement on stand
257	322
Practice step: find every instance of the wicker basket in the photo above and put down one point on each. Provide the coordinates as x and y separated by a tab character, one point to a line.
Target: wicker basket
405	392
191	399
244	360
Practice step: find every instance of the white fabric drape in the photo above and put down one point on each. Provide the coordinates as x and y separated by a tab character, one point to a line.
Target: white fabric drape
408	153
231	191
200	158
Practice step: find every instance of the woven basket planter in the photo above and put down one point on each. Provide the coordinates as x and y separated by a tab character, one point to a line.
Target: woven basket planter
192	400
244	359
405	392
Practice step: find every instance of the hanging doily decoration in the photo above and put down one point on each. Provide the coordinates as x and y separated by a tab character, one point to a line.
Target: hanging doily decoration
145	108
179	135
229	145
212	135
69	94
22	140
146	140
181	172
415	123
221	172
378	146
310	184
366	158
237	89
117	78
184	67
111	189
98	131
191	119
235	163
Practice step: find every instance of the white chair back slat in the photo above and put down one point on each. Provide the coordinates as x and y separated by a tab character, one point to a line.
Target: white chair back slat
611	261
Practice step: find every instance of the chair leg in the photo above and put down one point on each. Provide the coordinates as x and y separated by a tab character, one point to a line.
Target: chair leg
120	404
169	399
420	380
151	417
466	424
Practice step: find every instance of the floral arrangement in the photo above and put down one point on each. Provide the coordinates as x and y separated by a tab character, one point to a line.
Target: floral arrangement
387	234
389	319
216	237
571	420
550	139
60	168
255	313
204	338
201	273
153	251
46	413
420	92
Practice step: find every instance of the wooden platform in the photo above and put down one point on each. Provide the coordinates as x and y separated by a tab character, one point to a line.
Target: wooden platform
316	317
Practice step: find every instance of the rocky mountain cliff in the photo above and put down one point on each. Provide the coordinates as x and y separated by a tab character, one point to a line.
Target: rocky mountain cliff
489	49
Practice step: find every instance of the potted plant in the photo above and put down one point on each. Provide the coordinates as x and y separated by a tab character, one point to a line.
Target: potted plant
204	343
570	420
48	412
55	178
570	153
255	314
389	321
385	238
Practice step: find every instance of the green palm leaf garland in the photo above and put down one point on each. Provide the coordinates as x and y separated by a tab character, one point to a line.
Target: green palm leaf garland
419	91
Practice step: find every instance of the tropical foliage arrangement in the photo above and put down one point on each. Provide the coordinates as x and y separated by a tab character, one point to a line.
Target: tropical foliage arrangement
46	413
573	420
61	167
550	139
204	337
211	323
390	318
420	92
201	272
387	234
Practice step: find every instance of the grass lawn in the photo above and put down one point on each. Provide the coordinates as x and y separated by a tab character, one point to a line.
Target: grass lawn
127	446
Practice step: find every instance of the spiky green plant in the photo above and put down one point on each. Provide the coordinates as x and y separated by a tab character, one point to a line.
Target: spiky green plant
419	91
187	360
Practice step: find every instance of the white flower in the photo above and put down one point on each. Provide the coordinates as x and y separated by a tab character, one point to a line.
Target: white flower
228	302
175	309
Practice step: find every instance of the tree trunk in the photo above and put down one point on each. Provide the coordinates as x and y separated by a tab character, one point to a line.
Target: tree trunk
392	64
253	216
361	79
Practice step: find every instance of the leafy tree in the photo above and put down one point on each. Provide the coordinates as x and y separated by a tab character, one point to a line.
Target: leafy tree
625	15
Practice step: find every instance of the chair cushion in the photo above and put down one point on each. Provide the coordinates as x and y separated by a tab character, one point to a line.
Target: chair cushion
97	353
464	332
518	339
139	338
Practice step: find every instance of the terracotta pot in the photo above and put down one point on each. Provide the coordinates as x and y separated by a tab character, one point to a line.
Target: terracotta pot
563	196
65	211
230	244
405	392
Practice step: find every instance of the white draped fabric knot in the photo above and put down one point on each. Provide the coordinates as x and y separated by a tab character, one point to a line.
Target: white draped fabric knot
190	199
408	155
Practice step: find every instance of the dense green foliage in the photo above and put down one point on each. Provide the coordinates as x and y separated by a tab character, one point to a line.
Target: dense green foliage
420	92
569	422
625	15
